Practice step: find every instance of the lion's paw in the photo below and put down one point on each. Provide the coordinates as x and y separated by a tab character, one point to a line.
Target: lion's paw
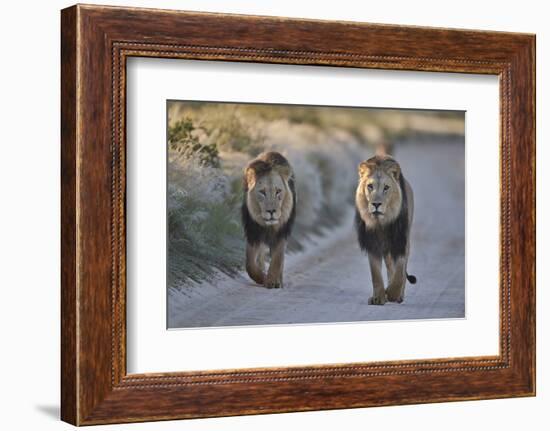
273	284
394	296
377	300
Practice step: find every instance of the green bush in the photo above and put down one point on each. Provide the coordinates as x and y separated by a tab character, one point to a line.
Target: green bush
203	237
182	139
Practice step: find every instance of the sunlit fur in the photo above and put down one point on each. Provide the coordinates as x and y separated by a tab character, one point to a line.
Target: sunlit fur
268	213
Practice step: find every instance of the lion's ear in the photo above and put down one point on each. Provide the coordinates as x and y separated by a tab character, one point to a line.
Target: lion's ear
284	170
393	169
364	169
249	180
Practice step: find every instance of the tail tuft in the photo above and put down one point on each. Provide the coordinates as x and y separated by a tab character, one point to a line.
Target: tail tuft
411	278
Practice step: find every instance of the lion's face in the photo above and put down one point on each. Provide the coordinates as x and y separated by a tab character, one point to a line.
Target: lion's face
269	191
378	196
269	199
378	189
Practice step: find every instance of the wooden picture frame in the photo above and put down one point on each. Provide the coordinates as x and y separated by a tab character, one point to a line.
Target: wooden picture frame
95	43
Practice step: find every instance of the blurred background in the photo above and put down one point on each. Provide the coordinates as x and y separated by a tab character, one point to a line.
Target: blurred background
209	144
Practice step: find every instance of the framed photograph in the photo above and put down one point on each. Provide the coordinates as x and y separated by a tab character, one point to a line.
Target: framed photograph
264	214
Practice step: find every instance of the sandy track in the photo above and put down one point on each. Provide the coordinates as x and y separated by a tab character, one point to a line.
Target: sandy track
330	282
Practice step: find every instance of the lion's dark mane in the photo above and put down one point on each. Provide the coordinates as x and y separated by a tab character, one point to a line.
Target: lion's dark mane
255	233
389	238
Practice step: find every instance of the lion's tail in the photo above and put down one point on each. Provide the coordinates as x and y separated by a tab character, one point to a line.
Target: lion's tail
411	278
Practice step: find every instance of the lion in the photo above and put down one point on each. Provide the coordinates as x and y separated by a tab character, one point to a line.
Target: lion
268	214
384	213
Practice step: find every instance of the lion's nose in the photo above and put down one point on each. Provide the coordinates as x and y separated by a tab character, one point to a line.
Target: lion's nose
376	205
271	212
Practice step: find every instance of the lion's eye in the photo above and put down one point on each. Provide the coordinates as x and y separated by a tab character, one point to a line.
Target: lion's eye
262	192
370	187
386	188
278	192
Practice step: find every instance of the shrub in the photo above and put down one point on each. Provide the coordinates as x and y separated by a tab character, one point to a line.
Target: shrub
204	235
182	139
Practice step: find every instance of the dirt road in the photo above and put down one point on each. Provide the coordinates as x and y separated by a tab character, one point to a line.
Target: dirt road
330	281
